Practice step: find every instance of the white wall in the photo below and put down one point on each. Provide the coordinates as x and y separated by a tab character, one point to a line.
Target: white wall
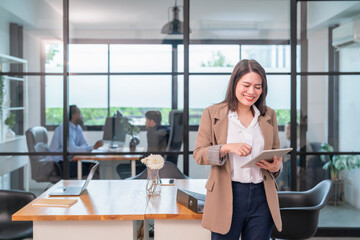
4	36
317	86
4	49
349	115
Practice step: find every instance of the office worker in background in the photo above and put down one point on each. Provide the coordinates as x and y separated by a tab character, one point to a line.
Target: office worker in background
240	201
77	141
155	133
157	137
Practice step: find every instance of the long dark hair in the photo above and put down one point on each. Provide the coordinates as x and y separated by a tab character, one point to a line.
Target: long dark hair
243	67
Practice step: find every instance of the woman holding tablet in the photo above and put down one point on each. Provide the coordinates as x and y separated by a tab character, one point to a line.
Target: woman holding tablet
240	201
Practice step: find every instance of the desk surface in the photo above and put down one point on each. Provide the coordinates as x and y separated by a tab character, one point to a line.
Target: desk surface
115	200
103	200
165	205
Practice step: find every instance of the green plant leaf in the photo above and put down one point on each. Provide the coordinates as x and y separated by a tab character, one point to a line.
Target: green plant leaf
327	165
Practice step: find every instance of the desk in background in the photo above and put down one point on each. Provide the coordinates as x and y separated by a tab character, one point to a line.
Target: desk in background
132	158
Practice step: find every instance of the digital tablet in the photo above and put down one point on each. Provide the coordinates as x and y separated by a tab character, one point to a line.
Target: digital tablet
267	155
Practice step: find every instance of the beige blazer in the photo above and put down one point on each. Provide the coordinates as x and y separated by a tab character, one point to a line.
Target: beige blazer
219	200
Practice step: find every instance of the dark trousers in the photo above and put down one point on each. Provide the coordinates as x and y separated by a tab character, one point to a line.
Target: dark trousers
251	215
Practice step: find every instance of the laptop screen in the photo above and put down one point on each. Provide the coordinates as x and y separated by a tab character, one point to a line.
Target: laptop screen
90	176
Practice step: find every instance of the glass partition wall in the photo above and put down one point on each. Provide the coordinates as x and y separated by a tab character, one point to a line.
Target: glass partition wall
125	57
24	27
326	134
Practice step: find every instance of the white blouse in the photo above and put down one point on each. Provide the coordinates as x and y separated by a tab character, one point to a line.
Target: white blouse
251	135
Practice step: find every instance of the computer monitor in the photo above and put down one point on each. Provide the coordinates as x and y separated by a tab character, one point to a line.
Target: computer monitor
114	131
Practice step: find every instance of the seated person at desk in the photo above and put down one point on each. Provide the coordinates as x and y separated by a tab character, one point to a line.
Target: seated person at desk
157	137
77	142
156	134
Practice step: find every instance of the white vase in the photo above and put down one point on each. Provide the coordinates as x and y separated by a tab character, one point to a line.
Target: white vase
10	134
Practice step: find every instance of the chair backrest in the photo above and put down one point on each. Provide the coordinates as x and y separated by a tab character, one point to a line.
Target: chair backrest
10	202
169	170
176	120
320	193
157	138
300	211
41	170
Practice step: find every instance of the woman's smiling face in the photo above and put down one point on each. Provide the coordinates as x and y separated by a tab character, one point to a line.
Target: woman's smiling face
248	89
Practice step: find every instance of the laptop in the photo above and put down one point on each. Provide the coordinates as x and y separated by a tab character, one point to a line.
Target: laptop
75	191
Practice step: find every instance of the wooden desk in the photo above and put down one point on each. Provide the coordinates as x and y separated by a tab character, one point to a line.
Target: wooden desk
106	210
173	220
132	158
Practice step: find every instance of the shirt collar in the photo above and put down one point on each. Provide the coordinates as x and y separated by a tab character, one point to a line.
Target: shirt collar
72	125
233	114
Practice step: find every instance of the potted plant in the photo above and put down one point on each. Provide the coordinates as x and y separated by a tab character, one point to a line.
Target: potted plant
335	164
10	122
132	130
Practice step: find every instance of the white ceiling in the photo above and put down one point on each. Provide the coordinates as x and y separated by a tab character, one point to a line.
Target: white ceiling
144	18
112	14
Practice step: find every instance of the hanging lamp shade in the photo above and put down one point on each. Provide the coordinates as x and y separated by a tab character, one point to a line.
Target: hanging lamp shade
175	26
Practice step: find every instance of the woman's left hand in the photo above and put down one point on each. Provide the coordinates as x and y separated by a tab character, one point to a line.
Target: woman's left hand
272	167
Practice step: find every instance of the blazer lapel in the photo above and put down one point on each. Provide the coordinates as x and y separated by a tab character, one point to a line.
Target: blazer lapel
267	131
220	127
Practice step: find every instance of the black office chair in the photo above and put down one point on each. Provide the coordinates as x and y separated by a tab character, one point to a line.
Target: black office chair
300	211
41	170
169	170
176	120
10	202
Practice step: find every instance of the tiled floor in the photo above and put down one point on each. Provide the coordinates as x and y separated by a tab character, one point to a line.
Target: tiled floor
339	216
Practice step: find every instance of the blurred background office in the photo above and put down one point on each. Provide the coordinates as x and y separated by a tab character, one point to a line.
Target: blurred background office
129	56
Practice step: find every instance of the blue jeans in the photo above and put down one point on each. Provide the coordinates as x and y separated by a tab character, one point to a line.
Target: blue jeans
251	215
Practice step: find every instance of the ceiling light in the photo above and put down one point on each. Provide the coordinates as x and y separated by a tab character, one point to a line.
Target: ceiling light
175	26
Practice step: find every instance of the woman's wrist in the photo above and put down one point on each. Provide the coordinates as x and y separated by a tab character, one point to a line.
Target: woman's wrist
223	150
275	170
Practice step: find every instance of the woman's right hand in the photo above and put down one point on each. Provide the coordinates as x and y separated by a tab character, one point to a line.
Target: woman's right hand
241	149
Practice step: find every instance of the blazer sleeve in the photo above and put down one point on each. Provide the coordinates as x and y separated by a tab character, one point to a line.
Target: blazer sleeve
206	153
276	140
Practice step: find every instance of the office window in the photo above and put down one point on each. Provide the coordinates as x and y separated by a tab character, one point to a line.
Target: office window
204	90
89	93
273	58
223	58
140	58
88	58
209	57
127	92
54	100
53	56
134	95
